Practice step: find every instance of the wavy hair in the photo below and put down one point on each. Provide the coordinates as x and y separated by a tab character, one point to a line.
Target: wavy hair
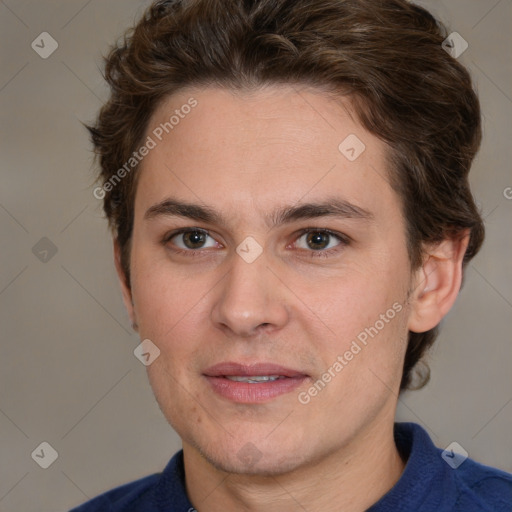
386	56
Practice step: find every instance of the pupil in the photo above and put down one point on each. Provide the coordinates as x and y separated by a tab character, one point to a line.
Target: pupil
318	239
193	239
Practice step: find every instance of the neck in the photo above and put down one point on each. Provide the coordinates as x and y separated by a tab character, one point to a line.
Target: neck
353	477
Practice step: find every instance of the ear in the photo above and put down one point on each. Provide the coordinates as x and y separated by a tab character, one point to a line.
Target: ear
126	291
437	282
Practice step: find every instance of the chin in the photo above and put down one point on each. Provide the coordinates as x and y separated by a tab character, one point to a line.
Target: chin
251	461
252	453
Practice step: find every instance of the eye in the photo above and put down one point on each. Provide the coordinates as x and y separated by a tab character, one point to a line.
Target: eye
190	239
316	242
320	240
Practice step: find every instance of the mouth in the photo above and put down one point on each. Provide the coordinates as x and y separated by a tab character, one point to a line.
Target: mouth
255	378
254	383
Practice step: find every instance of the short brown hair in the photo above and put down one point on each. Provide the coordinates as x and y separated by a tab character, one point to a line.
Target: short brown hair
386	56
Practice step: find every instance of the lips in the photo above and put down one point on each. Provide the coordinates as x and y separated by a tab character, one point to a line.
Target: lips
258	382
236	369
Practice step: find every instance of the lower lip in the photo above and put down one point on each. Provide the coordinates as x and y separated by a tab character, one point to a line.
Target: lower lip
247	393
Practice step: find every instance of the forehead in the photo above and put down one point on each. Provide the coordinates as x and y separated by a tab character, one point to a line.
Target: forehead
250	151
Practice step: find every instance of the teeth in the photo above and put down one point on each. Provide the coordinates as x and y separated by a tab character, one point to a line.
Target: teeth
254	379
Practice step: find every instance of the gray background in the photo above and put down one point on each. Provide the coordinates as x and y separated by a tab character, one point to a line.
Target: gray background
67	370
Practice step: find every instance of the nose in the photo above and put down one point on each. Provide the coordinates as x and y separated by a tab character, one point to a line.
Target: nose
250	300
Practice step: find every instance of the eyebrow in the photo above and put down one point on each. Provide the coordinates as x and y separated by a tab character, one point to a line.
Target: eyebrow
333	207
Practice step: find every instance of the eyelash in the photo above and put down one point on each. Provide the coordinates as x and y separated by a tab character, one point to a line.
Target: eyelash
343	239
324	253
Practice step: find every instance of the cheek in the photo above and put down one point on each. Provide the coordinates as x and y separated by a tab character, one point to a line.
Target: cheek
366	313
357	300
362	363
168	307
172	309
163	298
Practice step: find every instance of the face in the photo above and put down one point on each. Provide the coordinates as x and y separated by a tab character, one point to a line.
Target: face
262	248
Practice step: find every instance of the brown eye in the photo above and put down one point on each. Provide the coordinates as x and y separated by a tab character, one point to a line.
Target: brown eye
317	240
191	239
194	239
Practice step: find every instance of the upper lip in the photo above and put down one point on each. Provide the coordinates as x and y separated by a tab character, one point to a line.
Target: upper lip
230	368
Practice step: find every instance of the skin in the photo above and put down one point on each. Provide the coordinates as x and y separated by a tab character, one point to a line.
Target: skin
245	155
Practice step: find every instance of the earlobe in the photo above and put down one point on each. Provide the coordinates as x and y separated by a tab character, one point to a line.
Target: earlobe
436	283
125	289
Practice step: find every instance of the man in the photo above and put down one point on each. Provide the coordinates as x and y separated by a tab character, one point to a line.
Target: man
287	184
